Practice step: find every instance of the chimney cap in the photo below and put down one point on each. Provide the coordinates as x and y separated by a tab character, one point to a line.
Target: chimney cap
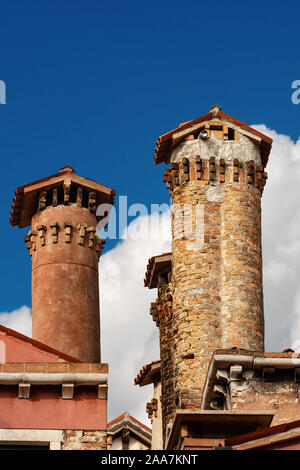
25	200
167	142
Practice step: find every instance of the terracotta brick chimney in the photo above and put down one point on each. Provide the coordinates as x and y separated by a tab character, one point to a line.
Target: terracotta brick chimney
216	179
65	250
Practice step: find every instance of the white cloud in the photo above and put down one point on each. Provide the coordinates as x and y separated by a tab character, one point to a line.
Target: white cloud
129	337
19	320
281	241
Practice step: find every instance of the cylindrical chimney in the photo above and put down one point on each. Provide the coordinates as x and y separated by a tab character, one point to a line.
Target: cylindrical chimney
216	179
65	249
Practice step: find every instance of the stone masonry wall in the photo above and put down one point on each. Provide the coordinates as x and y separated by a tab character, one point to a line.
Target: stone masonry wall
216	272
84	440
162	313
242	288
196	274
280	397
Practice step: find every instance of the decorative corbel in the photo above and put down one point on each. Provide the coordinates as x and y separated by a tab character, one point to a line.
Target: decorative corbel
154	313
81	233
42	200
92	236
100	242
198	166
236	170
24	390
68	231
32	238
67	187
236	372
92	202
212	168
55	197
222	375
102	391
149	410
251	172
154	406
67	391
28	243
54	231
42	231
79	196
222	170
220	389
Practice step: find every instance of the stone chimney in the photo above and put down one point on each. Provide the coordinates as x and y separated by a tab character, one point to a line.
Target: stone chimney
65	250
216	179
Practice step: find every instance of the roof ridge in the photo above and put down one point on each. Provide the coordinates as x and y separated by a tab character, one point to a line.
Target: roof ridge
130	417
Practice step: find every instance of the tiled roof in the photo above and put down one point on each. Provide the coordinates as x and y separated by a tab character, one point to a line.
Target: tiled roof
167	142
141	378
159	262
25	198
270	431
126	416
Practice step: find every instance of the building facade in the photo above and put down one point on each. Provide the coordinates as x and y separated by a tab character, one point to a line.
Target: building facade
53	386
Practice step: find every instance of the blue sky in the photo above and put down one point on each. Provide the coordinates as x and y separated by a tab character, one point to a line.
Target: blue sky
94	83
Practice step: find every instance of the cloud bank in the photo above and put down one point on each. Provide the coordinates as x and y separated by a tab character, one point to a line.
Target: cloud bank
19	320
129	337
281	242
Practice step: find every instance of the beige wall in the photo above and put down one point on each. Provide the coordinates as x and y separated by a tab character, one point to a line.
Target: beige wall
157	440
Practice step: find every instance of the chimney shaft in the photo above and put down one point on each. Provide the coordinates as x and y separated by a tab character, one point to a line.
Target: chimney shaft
216	178
65	249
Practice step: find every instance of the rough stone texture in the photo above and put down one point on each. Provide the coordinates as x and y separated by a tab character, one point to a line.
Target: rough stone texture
242	288
196	274
165	321
280	397
243	149
65	292
84	440
217	265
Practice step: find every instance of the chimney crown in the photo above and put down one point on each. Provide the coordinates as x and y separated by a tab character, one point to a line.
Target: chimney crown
54	190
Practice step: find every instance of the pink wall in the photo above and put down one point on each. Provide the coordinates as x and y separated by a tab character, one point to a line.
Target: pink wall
47	410
13	349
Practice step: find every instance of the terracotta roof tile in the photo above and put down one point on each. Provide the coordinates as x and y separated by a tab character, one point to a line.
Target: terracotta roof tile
149	280
140	378
125	415
25	198
280	428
